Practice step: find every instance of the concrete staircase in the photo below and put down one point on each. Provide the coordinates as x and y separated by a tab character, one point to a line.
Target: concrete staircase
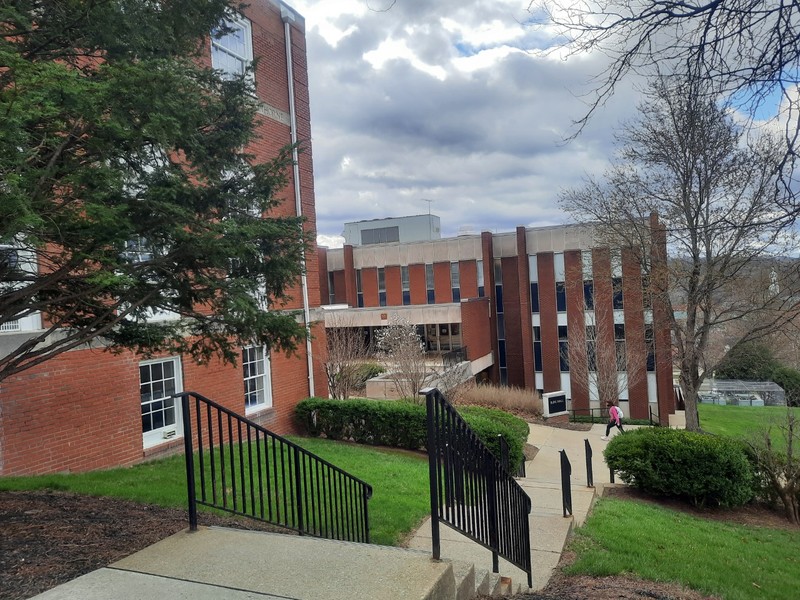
215	562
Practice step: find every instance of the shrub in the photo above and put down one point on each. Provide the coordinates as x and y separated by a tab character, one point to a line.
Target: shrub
509	399
700	468
368	371
402	424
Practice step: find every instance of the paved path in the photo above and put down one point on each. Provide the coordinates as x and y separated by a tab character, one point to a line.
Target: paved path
549	528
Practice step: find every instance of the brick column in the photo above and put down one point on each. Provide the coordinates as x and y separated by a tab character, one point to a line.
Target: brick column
548	316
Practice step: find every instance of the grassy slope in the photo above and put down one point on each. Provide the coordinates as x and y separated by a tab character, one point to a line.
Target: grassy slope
399	480
731	561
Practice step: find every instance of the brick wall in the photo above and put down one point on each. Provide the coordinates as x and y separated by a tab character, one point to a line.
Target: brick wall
394	286
551	370
475	327
468	278
369	285
417	286
513	322
443	292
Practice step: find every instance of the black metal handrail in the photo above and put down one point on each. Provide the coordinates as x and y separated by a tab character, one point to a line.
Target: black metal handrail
589	472
471	491
505	460
454	357
566	487
238	466
600	415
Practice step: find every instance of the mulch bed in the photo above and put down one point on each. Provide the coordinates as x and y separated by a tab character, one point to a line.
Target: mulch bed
48	538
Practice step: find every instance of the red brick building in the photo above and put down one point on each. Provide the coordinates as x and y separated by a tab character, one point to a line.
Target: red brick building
89	409
539	308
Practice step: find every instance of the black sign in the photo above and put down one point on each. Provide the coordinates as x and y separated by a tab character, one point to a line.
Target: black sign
557	404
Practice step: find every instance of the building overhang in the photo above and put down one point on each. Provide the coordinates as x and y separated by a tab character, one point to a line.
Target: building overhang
337	315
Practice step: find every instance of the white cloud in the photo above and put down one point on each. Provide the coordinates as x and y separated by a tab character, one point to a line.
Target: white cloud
449	101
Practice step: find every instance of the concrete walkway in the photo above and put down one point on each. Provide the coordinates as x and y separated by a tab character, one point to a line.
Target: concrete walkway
222	563
549	528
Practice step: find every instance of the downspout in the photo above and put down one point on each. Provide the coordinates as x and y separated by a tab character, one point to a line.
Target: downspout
288	17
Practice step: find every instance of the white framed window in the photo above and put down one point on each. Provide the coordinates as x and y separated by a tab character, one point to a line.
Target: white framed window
138	250
161	414
232	52
257	376
17	267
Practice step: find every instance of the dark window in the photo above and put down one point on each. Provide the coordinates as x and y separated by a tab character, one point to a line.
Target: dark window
649	341
537	348
405	284
381	286
429	283
501	346
588	294
563	348
647	295
498	294
534	296
563	356
561	296
455	281
380	235
359	291
619	342
618	300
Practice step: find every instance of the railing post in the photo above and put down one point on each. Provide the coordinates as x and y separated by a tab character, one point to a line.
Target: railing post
503	452
189	453
589	473
566	489
433	471
298	494
491	493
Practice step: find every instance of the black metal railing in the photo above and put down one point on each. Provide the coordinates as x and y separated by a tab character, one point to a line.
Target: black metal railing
238	466
566	487
454	357
519	470
600	415
471	491
589	472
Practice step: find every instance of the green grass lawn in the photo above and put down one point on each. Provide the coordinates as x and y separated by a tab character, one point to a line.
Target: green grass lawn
399	479
730	561
739	421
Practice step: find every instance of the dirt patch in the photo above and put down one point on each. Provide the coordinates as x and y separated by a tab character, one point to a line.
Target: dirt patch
49	538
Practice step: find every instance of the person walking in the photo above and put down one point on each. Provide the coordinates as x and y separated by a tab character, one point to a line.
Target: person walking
614	419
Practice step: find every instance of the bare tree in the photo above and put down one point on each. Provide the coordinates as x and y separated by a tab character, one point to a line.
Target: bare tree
739	48
347	352
603	372
684	159
402	353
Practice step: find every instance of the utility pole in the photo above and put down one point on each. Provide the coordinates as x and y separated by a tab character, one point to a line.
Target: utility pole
430	229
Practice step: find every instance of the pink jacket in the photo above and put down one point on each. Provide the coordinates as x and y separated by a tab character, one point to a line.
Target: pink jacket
613	412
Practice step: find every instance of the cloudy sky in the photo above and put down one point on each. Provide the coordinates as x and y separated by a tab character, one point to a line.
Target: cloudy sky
447	101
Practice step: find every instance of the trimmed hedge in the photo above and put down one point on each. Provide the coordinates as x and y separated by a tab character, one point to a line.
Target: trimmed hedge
703	469
401	424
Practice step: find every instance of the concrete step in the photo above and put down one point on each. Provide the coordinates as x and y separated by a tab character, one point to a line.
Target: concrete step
212	561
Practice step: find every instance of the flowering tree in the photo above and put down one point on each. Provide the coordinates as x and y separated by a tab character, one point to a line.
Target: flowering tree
402	352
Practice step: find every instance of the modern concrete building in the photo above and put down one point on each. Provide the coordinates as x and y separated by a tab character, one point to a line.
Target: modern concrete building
88	408
415	228
539	308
